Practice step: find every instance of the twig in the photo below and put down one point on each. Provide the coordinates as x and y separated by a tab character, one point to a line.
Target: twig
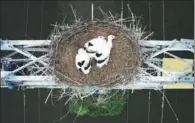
122	12
48	95
111	16
92	12
74	13
67	112
69	99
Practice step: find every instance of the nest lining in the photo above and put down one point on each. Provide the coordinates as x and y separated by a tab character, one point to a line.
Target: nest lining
125	58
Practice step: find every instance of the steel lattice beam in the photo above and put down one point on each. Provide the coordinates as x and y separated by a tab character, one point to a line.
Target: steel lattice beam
38	64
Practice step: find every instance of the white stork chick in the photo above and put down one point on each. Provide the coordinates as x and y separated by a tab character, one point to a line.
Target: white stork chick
94	45
82	61
103	54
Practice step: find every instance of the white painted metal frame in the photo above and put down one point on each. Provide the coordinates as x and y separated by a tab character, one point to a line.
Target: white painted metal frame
37	64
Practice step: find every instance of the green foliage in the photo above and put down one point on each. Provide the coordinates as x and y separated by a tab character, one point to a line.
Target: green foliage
83	111
109	104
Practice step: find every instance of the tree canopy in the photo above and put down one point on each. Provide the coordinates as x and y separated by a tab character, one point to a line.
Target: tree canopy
109	104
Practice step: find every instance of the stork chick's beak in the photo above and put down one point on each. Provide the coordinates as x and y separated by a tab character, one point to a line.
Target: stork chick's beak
114	37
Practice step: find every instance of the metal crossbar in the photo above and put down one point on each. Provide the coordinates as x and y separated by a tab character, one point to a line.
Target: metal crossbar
37	65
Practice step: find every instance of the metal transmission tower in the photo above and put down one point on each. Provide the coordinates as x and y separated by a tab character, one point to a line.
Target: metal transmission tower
25	63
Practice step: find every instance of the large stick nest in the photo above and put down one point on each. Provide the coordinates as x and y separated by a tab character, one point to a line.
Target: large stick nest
124	61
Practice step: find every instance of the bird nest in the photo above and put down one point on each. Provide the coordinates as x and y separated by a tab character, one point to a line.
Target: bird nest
125	58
